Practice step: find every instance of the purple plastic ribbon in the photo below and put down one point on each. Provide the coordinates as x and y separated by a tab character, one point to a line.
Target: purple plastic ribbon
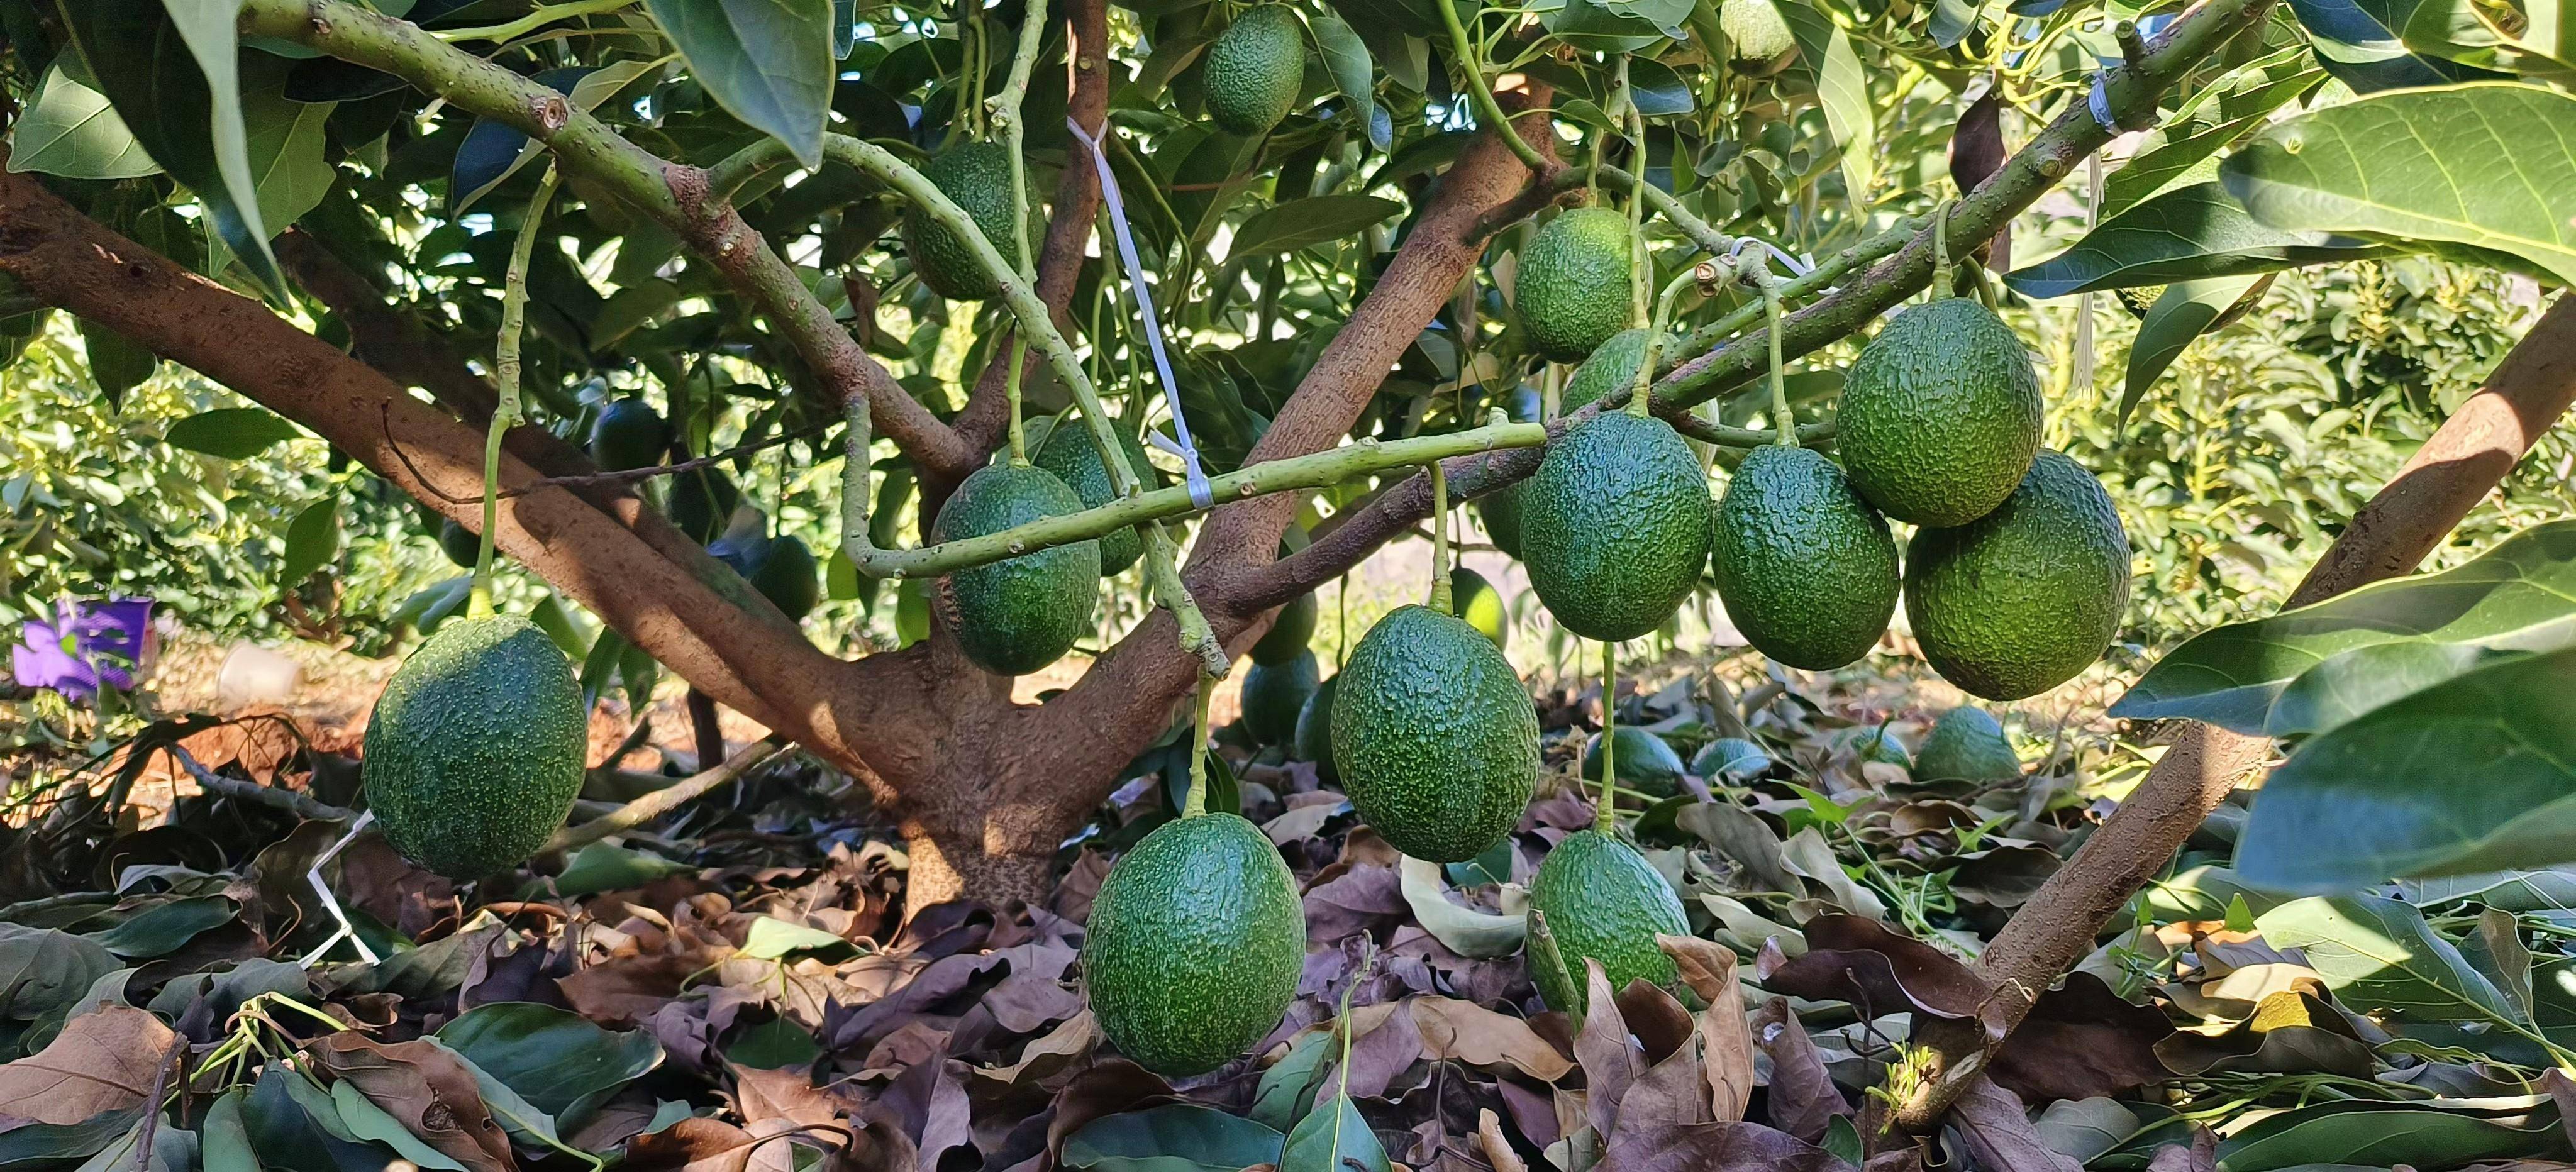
88	642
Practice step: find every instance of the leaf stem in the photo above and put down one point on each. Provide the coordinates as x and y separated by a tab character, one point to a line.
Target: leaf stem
1488	111
541	16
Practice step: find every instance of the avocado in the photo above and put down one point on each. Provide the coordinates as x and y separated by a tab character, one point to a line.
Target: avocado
1315	730
702	502
476	747
629	434
1436	740
1757	36
1500	513
1871	742
1940	415
1731	759
1018	614
780	567
1966	744
1573	288
2020	600
1273	695
1474	599
1289	633
1614	527
1194	945
1645	763
462	546
1806	568
1604	901
1070	453
1613	366
1254	69
975	176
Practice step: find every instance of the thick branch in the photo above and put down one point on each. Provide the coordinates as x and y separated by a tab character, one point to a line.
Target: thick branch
2390	536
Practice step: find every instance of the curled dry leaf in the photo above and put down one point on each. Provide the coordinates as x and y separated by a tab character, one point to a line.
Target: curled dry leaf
102	1062
1803	1097
1463	1031
1716	1147
1726	1035
1610	1058
2000	1134
425	1088
2082	1040
1464	930
1867	963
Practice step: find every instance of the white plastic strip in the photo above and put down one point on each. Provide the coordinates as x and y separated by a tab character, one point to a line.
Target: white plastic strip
1200	494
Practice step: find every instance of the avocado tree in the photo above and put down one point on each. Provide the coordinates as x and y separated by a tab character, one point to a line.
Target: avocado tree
1308	249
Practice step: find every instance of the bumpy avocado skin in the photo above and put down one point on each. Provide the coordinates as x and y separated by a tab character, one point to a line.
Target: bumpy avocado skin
1966	744
1941	414
1572	287
1806	568
1604	901
1646	763
1870	742
1019	614
476	747
1273	695
1069	453
1613	365
1254	68
1474	599
1614	526
1289	633
1436	741
462	546
1758	37
975	176
1194	945
1315	730
1500	512
629	434
2020	600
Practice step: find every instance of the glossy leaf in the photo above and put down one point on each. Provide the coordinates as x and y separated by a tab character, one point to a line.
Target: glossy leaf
116	363
1354	70
1179	1137
2362	42
2378	955
2488	165
2462	32
167	927
2187	234
2187	152
767	62
1826	56
2373	1134
2358	681
2474	774
1305	223
2181	314
70	130
230	433
2520	595
312	541
558	1060
1333	1138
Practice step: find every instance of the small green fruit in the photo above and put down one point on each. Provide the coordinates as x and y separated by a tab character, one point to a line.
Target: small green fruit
1874	743
1474	599
1254	69
975	176
1194	945
1315	730
476	746
1289	634
1603	900
1435	738
781	568
461	545
1019	614
1757	36
1966	744
1613	366
1645	762
1274	694
629	434
1572	288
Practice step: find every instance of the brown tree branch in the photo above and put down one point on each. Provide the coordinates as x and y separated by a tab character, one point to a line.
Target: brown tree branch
2446	478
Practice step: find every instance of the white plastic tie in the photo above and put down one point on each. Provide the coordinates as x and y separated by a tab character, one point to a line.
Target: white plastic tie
1201	495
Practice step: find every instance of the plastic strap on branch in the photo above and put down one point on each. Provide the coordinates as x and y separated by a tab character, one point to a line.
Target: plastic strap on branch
1196	476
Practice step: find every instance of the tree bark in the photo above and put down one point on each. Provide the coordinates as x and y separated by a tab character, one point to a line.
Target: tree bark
2390	536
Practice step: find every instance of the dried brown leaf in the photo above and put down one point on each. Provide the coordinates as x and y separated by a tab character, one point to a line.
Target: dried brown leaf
426	1089
1803	1097
102	1061
1463	1031
1716	1147
2000	1133
1726	1035
1610	1058
2079	1041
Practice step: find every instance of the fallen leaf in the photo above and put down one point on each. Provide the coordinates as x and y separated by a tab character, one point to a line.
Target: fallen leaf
627	990
2202	1155
1610	1058
1868	964
1463	1031
1383	1054
2000	1133
1716	1147
1048	1055
2079	1041
425	1088
1464	930
1803	1098
101	1062
1726	1034
692	1145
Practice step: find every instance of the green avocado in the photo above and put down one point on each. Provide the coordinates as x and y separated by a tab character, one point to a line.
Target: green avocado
1604	901
975	176
476	747
1573	284
462	546
781	568
1254	69
1966	744
1273	695
1194	945
1940	415
1070	453
1474	599
1613	366
1019	614
1871	742
1500	513
629	434
2020	600
1315	730
1614	526
1806	568
1645	763
1731	759
1289	633
1757	36
1436	740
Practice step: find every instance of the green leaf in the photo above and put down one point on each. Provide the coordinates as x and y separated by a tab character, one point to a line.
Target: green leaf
1305	223
312	541
1826	56
2378	955
116	363
525	1121
2520	595
284	146
167	927
2475	774
2360	42
1658	91
2373	1134
231	433
2181	314
175	79
1179	1137
557	1059
1333	1138
2486	164
2462	32
776	939
1287	1089
366	1120
2323	697
1616	26
70	130
224	1143
601	867
1354	70
767	62
2188	150
2187	234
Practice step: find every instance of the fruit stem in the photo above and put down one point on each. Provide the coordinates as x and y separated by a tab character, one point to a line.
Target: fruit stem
1196	803
1640	398
1602	816
505	375
1941	250
1640	265
1440	600
1488	111
1011	390
1758	274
